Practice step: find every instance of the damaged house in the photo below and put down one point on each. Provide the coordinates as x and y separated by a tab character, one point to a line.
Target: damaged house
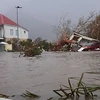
80	40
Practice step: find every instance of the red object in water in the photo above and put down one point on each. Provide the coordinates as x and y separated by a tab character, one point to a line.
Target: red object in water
92	47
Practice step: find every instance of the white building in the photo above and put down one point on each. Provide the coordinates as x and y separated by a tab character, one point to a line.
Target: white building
8	29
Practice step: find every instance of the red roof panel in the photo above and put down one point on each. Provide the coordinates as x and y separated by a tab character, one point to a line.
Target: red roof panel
5	20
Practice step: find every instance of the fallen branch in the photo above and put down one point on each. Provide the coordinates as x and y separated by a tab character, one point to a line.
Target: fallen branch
29	94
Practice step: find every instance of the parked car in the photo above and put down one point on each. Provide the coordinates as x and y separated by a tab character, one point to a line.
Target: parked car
94	46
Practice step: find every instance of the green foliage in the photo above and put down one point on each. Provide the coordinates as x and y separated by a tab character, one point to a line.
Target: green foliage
29	47
26	44
33	51
9	42
30	95
94	27
15	44
45	45
80	89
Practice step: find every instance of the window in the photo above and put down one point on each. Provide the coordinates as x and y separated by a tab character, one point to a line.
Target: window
24	31
11	32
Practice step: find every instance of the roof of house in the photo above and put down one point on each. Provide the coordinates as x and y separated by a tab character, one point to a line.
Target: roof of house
82	36
85	37
6	21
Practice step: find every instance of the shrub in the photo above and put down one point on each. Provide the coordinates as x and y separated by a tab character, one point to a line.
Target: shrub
33	51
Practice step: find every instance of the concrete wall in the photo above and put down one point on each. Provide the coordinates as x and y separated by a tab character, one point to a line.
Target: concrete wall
8	47
23	34
5	47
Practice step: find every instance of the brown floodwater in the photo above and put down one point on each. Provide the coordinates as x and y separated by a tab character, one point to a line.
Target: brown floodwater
42	74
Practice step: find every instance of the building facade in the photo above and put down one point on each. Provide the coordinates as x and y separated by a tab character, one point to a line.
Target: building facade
9	29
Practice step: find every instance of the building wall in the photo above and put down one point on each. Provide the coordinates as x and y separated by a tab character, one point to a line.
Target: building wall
1	32
8	47
23	34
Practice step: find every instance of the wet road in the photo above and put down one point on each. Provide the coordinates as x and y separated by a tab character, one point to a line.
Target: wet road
45	73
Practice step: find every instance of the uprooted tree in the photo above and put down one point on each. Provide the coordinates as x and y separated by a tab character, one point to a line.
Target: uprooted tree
32	48
63	32
89	26
94	28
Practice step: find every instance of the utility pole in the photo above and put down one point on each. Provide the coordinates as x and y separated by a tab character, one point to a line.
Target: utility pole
17	7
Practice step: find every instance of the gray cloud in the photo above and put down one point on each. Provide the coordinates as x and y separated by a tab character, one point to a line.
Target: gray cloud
39	15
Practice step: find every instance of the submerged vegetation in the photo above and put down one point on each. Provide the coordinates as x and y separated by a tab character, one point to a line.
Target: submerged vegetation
30	48
3	96
72	92
27	94
30	95
33	51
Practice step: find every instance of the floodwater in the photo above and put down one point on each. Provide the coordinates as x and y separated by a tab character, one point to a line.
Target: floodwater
42	74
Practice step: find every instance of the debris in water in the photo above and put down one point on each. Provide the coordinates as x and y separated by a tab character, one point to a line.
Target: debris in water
29	94
50	98
3	96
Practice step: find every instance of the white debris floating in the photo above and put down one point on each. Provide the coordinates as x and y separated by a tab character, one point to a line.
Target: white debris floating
4	99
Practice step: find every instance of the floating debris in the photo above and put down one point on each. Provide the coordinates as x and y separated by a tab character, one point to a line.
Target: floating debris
13	95
3	96
30	95
51	98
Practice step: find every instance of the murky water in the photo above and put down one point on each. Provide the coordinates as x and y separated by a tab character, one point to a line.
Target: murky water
45	73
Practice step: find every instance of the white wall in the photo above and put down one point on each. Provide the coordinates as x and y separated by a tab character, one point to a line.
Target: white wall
22	34
1	32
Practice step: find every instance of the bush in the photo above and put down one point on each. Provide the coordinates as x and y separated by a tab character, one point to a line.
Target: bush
33	51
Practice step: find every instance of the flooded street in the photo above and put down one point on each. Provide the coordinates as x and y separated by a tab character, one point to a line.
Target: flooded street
41	75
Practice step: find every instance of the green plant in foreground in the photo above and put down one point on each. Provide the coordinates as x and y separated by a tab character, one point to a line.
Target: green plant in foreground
30	95
27	94
80	89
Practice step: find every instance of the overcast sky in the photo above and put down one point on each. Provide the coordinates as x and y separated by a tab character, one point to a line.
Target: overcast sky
50	11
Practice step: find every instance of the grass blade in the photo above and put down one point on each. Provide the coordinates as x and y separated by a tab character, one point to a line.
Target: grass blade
80	80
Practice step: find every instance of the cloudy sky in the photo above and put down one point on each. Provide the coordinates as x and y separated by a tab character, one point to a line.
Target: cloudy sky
40	15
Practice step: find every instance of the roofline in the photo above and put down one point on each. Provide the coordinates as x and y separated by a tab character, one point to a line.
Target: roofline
2	19
2	22
85	37
16	26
